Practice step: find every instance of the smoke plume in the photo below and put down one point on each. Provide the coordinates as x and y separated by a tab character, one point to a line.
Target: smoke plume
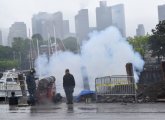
105	53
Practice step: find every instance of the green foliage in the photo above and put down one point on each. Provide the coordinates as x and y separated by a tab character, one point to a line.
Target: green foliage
70	44
6	52
21	49
157	40
35	38
8	64
21	45
140	44
6	58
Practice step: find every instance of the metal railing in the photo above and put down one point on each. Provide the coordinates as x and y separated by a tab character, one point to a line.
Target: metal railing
115	86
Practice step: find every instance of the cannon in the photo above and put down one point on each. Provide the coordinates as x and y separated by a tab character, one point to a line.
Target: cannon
46	90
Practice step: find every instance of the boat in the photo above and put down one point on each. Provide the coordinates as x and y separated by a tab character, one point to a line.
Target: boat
9	82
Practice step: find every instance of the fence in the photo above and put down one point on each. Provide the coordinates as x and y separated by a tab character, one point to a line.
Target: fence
116	88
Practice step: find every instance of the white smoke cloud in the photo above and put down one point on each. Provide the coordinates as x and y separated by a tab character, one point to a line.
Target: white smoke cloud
106	53
56	67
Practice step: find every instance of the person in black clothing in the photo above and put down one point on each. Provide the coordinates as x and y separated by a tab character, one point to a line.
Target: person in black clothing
69	85
13	100
31	86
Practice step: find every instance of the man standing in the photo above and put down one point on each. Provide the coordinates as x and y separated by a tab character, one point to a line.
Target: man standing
69	85
13	100
31	85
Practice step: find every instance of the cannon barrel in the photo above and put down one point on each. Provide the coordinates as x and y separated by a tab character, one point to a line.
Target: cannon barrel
44	83
46	89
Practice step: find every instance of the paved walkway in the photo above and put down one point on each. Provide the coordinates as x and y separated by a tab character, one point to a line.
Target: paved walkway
80	111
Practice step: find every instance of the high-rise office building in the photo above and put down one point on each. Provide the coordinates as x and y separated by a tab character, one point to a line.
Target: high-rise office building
103	16
58	24
18	29
161	12
118	18
140	31
110	15
49	25
41	24
82	25
66	31
1	43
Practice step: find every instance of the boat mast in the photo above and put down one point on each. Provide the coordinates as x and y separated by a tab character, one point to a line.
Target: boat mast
55	40
30	59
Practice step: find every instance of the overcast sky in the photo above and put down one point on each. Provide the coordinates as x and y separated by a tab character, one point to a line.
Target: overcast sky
136	11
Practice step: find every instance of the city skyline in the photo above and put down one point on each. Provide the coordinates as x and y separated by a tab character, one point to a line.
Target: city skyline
132	17
49	25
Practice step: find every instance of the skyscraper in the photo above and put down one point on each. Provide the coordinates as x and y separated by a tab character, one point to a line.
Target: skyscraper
18	29
82	25
103	16
41	24
58	24
140	31
66	31
161	12
1	37
49	25
118	18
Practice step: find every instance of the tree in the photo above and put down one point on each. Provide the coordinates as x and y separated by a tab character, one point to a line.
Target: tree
7	58
8	64
21	45
70	44
140	44
21	48
6	52
157	40
35	38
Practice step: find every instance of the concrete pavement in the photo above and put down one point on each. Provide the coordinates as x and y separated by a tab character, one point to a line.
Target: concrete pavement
80	111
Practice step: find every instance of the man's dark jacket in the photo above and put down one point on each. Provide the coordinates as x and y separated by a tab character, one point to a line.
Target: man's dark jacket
13	100
30	80
68	80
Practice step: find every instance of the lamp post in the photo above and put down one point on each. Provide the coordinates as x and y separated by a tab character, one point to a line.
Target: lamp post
13	55
161	52
20	59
